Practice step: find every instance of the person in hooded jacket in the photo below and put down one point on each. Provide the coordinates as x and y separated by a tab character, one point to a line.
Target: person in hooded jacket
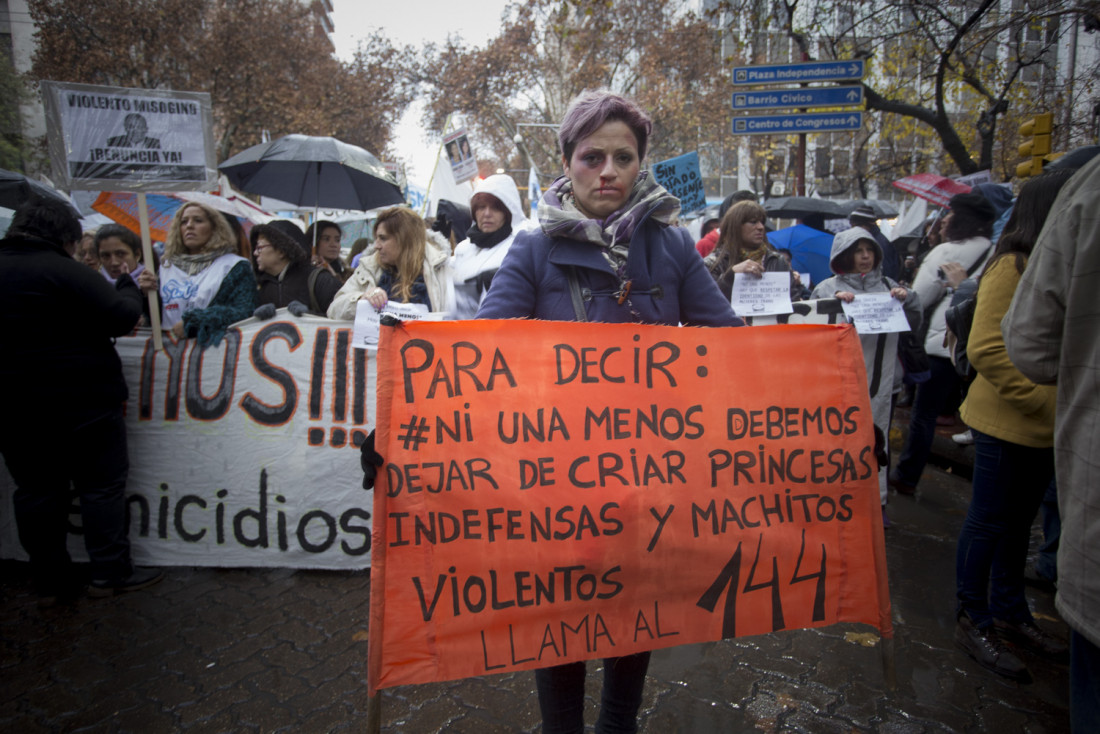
498	216
409	264
856	258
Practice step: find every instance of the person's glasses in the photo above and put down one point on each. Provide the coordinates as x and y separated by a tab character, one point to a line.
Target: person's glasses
260	248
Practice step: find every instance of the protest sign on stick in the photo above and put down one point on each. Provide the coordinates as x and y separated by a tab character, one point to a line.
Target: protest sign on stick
555	492
118	139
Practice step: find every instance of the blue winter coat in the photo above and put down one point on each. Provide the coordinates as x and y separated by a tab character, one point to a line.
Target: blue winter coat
669	284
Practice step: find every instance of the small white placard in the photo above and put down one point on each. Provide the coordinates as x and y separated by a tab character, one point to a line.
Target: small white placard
768	294
364	333
876	313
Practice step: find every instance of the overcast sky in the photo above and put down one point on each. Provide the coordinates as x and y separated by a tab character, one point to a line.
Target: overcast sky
415	22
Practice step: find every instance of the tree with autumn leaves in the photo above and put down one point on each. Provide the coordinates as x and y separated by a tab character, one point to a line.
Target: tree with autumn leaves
948	81
549	51
258	59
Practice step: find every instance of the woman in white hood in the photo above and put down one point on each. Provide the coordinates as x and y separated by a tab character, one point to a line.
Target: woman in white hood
498	215
856	258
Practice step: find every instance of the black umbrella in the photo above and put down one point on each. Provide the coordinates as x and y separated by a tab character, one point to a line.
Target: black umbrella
803	207
313	171
15	189
1075	158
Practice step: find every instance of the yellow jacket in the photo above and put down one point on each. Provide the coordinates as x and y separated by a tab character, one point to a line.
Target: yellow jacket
1002	402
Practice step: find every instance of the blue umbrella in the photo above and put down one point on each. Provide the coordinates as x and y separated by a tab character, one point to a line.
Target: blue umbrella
809	249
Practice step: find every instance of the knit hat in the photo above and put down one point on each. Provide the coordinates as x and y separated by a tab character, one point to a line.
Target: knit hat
974	205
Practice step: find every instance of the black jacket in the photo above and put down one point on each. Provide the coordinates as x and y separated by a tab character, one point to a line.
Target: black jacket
295	287
58	318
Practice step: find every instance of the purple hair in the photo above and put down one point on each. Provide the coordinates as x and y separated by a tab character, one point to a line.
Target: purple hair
590	110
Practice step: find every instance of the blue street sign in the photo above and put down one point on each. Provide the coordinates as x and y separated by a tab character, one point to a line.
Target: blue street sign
820	122
815	71
769	99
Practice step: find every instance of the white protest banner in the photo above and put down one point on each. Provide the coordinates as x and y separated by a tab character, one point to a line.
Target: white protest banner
368	319
768	294
118	139
245	454
876	313
461	158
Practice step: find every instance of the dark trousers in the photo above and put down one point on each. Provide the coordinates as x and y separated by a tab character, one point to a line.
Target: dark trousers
936	395
1009	482
1084	685
86	452
1046	565
561	695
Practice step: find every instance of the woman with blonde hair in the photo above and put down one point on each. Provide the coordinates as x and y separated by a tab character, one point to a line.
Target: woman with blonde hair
204	284
743	249
409	264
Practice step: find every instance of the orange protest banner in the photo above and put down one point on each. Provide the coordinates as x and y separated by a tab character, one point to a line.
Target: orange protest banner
556	492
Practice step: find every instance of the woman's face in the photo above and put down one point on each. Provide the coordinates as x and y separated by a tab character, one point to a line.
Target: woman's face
865	257
752	234
328	243
268	259
488	213
115	255
86	252
195	228
389	250
603	169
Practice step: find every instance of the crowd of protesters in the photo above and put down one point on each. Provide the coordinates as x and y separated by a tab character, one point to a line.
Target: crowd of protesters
606	246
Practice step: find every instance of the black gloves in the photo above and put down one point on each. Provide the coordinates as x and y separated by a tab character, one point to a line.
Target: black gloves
265	312
297	308
370	461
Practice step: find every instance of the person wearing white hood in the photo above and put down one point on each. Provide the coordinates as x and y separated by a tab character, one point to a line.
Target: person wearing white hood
498	216
856	258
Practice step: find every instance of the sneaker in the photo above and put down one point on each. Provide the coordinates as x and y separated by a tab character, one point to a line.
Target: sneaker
1033	637
989	650
966	438
141	578
886	518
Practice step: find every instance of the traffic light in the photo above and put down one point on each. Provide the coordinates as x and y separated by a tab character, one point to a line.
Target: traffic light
1035	133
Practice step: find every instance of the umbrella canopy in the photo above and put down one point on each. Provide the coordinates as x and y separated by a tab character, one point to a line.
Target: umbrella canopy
15	188
802	207
122	207
882	209
809	249
313	171
932	187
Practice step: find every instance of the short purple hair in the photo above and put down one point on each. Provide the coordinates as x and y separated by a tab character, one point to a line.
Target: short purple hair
590	110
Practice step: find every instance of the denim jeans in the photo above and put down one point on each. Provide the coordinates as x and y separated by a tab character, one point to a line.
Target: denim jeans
933	397
561	695
1046	565
1009	482
1084	685
86	452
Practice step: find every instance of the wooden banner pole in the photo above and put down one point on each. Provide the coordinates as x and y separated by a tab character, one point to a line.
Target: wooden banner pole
147	257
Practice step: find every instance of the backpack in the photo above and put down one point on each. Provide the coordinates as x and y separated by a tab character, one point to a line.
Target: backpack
960	318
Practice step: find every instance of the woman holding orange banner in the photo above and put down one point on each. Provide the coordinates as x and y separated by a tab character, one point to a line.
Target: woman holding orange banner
607	249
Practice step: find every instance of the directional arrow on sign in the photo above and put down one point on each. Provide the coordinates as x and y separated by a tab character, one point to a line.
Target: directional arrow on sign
806	97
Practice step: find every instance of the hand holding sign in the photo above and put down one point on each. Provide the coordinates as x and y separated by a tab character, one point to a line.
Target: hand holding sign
876	313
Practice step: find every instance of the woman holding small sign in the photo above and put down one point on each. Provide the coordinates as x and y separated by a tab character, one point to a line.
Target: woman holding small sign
856	258
743	249
204	284
606	249
409	265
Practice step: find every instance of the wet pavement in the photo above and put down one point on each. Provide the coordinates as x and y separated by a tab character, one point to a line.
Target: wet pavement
253	650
